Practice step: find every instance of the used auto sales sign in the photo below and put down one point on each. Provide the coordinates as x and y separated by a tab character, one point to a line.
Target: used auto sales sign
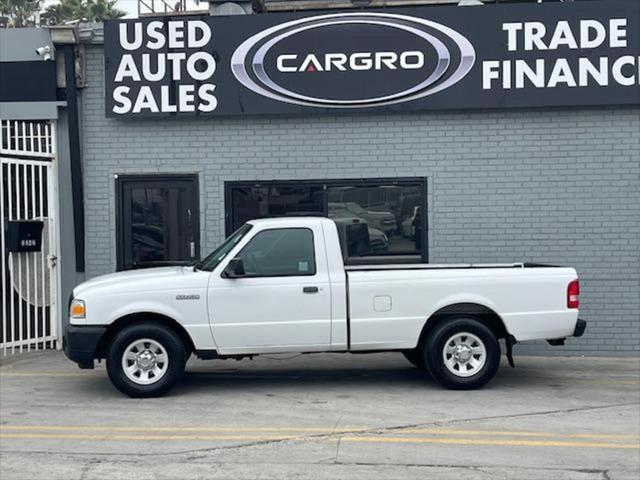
421	58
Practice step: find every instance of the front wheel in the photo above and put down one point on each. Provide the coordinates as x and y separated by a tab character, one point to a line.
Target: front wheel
146	360
462	354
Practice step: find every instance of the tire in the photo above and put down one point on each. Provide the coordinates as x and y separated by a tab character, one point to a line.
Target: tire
415	357
470	366
156	357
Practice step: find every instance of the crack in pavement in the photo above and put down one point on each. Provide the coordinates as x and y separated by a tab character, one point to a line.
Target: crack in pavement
86	468
379	430
319	436
333	431
474	467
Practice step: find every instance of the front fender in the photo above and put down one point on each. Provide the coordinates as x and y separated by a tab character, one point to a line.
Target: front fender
189	314
194	321
145	307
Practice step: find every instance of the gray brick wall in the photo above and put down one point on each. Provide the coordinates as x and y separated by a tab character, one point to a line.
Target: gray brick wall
554	186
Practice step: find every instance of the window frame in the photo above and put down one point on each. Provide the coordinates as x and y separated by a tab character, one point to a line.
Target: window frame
420	182
313	252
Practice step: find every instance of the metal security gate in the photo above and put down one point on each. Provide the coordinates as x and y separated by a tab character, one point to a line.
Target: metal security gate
30	317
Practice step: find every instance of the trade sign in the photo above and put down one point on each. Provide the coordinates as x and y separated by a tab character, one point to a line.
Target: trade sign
420	58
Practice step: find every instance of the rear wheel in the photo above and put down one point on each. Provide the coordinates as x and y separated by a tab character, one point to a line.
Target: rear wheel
462	354
146	360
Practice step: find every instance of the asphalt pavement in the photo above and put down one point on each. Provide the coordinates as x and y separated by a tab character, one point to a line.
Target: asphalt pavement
333	416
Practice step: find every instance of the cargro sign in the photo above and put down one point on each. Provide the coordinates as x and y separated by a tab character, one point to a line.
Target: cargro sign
420	58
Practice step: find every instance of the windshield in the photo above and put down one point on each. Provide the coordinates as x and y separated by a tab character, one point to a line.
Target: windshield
219	253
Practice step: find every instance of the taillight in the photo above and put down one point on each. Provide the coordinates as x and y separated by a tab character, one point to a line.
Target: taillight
573	294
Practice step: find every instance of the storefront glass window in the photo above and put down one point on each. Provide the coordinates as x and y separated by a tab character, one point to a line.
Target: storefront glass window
391	210
275	201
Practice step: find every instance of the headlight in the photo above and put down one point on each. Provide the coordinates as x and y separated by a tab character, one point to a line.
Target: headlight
77	309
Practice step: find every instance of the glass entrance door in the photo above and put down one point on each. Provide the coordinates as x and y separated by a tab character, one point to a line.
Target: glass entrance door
157	220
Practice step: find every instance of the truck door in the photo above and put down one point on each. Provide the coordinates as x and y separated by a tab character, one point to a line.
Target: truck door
283	300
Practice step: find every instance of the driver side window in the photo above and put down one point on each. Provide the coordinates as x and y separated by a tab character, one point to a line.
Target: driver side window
279	252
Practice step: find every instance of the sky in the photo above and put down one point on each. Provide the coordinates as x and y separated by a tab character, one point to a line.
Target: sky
131	6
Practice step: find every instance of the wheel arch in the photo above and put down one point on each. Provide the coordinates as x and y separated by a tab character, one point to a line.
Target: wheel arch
138	317
484	314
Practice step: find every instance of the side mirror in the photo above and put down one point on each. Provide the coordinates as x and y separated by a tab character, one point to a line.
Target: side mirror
234	269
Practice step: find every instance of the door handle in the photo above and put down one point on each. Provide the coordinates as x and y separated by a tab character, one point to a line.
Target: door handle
309	289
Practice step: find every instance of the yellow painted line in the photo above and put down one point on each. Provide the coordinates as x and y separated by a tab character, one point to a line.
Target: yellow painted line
81	436
489	442
354	439
353	430
90	428
499	433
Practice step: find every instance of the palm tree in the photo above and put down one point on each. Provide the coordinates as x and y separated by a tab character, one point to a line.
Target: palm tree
18	13
61	12
100	10
88	10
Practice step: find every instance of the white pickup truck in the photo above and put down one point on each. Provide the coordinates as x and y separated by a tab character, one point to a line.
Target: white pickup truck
281	285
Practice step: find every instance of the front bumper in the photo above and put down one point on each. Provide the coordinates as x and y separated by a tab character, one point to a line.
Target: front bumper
80	343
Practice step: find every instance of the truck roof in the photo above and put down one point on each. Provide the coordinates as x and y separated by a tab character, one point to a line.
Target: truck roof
290	221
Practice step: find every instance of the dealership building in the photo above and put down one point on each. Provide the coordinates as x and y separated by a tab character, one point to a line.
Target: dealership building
492	133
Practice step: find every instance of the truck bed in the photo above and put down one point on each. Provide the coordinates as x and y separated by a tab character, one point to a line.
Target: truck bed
388	304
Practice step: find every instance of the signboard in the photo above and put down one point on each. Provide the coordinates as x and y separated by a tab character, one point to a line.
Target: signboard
419	58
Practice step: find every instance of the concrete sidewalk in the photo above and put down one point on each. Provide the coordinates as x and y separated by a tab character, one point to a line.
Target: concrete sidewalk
322	416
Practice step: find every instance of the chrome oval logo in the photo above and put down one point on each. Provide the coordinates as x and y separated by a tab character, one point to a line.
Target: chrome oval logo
353	60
